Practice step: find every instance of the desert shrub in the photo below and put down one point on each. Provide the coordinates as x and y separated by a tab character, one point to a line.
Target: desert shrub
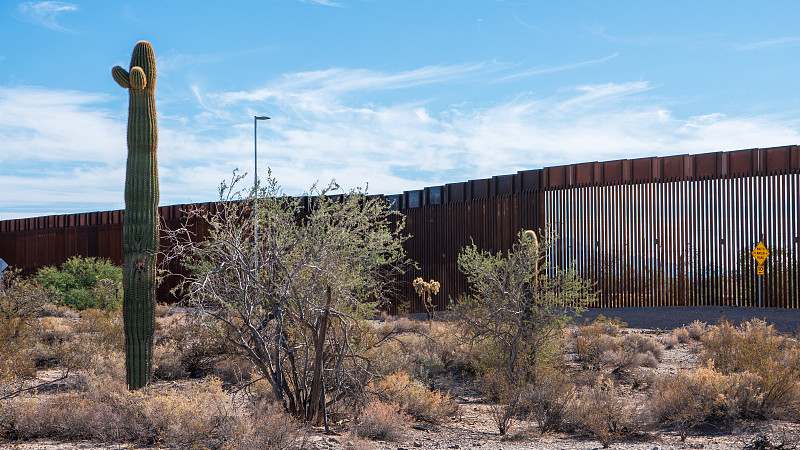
670	341
518	306
603	325
20	303
602	413
505	398
82	283
233	370
618	360
756	348
270	427
424	351
595	338
547	402
415	398
301	319
589	347
52	340
681	335
596	349
646	360
697	329
381	420
167	364
199	417
191	345
744	348
53	310
688	399
101	331
637	343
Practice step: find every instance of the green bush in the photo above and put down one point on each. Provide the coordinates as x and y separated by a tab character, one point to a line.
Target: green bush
518	307
82	283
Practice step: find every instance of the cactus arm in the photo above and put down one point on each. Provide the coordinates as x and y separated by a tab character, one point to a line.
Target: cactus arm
120	76
138	79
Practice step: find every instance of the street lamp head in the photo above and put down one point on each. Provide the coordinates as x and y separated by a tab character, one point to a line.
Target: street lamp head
262	117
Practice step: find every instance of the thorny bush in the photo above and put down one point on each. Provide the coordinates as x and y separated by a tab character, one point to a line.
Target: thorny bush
293	299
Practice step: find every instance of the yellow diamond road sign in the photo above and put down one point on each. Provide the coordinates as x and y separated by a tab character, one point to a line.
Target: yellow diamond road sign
760	253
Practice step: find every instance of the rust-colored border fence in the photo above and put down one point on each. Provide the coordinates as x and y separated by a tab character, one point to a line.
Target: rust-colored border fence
659	231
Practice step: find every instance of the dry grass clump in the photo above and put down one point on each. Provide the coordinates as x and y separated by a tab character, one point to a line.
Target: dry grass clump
548	402
756	348
598	345
200	416
681	335
187	346
593	339
690	398
381	421
696	330
638	343
270	427
423	350
601	412
415	398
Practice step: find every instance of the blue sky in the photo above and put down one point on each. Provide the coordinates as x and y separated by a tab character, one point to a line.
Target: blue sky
394	94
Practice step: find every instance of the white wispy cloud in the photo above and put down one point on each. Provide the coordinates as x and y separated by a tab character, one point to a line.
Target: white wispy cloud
45	14
787	41
337	81
552	69
319	132
323	3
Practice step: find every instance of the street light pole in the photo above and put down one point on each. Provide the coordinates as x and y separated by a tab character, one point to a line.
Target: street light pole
255	188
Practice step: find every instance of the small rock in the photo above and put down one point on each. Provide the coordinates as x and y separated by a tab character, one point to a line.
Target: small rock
454	446
417	444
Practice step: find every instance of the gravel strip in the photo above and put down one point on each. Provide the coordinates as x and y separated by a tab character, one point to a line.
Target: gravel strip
671	317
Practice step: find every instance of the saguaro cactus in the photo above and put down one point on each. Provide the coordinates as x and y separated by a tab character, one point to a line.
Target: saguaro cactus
140	229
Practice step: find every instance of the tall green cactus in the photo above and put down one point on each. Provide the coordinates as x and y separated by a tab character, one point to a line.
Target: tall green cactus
140	229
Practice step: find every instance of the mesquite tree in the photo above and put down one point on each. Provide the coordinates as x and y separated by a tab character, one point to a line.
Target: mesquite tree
294	308
140	229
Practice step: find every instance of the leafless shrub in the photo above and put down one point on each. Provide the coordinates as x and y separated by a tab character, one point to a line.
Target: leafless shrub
639	344
601	412
697	329
271	427
670	341
548	402
200	417
688	399
381	420
590	347
682	335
